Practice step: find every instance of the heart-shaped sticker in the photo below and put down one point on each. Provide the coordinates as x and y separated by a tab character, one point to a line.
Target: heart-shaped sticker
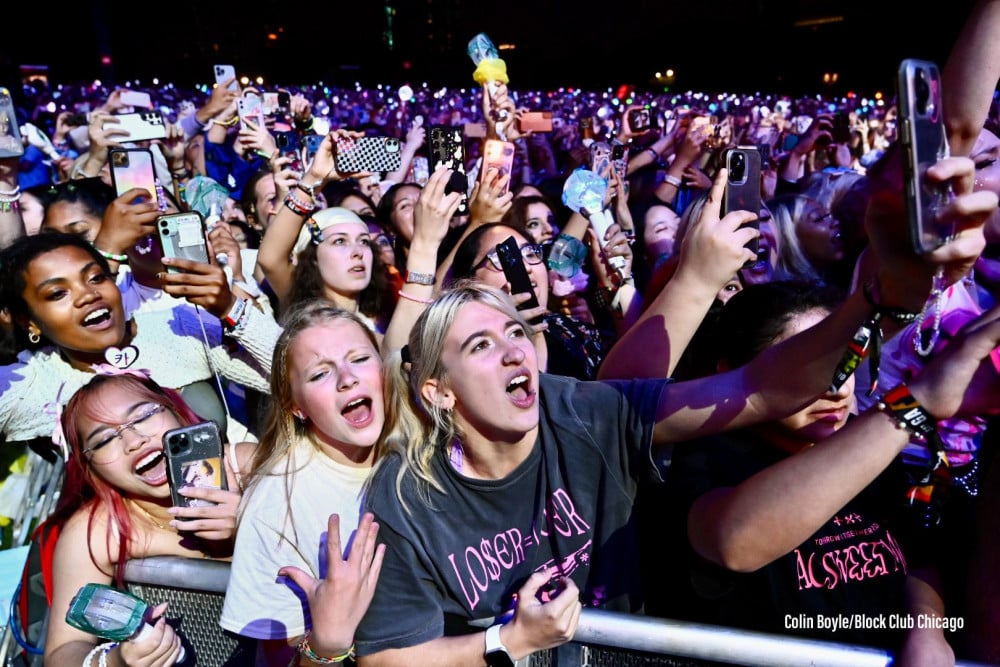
121	357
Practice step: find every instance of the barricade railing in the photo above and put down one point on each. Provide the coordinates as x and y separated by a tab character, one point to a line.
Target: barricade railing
196	588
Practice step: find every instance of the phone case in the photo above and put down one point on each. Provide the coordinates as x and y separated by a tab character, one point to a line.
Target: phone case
10	135
499	155
194	458
224	73
924	142
368	154
312	142
132	168
743	184
516	272
600	159
536	121
841	128
141	126
250	108
183	235
639	120
135	98
446	145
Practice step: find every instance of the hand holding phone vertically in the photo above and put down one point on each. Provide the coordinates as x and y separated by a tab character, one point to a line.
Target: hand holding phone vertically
925	142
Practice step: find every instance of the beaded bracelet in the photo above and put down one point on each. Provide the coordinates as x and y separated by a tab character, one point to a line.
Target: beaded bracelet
101	650
307	651
673	180
121	259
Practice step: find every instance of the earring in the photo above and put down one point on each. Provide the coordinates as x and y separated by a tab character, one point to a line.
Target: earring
34	337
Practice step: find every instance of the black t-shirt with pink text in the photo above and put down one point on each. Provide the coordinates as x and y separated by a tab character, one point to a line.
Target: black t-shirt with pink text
853	565
454	568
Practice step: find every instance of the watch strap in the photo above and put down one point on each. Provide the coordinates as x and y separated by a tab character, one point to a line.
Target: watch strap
497	654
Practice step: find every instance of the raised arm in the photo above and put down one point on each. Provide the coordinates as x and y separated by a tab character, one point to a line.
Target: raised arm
798	370
795	496
970	76
712	251
274	254
431	218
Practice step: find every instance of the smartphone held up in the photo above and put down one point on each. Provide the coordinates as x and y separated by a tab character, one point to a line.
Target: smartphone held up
924	142
194	458
743	185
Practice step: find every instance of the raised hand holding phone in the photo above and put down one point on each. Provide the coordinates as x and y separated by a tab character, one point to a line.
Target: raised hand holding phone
743	186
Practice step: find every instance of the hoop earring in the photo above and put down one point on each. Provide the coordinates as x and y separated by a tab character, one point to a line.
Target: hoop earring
34	338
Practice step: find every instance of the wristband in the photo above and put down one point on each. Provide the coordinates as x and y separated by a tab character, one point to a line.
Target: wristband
235	314
418	278
673	180
306	650
900	404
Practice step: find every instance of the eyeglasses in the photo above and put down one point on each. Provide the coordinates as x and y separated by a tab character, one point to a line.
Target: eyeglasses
531	252
145	424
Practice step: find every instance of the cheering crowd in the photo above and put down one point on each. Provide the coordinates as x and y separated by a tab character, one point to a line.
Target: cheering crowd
423	454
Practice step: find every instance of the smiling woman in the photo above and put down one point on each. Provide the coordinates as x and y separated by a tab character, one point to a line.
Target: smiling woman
115	505
69	316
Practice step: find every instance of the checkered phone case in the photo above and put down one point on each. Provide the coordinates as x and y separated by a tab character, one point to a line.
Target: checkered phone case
368	154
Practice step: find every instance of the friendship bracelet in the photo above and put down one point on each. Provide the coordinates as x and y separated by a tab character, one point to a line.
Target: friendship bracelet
102	650
227	123
121	259
296	205
307	651
415	299
11	193
673	180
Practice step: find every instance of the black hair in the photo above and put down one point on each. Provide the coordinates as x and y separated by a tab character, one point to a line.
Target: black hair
463	263
754	317
18	256
92	193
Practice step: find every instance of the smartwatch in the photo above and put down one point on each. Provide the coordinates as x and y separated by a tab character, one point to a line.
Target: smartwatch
497	654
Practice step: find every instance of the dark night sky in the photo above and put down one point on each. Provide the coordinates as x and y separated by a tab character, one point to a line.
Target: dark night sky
726	45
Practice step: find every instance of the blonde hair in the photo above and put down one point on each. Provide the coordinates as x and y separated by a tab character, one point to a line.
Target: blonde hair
786	210
275	453
415	428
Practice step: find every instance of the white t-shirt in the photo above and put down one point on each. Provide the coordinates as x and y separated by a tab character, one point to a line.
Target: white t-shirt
258	603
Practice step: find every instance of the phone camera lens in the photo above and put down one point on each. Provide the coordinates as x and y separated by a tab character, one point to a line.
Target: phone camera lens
923	93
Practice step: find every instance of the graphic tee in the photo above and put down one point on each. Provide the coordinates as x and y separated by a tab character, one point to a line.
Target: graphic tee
454	568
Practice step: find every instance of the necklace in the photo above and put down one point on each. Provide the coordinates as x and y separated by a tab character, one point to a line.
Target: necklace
152	519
